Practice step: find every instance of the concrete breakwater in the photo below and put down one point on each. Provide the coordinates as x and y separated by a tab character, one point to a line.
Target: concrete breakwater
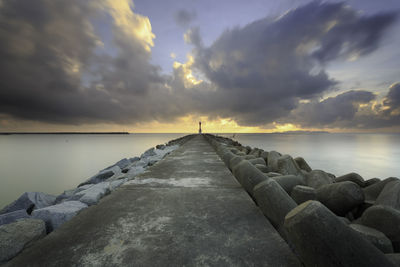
326	220
185	210
35	214
192	209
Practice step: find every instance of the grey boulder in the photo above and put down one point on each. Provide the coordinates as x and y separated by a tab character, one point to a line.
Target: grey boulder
263	168
248	157
340	197
352	177
288	182
14	237
55	216
93	194
394	258
227	156
273	174
148	153
286	165
384	219
378	239
117	183
371	181
102	176
13	216
273	157
302	164
257	161
65	195
372	192
162	147
234	162
390	195
320	238
248	175
29	201
264	155
302	194
71	194
255	151
318	178
121	164
274	203
132	160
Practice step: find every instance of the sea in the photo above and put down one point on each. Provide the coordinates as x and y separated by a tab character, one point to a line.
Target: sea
54	163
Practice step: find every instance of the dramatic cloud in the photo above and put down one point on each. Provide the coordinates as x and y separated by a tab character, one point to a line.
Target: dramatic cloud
76	62
331	110
54	67
392	100
353	109
184	17
263	69
385	114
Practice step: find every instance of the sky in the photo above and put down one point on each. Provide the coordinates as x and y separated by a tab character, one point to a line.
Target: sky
162	66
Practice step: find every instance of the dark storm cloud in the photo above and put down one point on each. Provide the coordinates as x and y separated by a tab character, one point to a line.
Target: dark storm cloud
353	109
48	49
263	69
386	114
53	67
331	110
392	100
184	17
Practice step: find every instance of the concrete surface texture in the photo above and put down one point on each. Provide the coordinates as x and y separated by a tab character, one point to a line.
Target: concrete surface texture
186	210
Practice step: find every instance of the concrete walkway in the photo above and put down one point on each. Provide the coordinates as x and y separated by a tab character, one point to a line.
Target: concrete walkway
187	210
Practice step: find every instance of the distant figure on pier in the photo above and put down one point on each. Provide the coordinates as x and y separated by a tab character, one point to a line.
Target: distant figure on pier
199	127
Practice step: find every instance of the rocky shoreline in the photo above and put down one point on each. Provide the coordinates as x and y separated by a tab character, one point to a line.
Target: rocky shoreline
326	220
35	214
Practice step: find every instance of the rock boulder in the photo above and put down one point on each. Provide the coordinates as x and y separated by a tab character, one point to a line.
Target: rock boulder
15	236
263	168
286	165
13	216
302	194
378	239
274	203
384	219
273	160
320	238
340	197
257	161
102	176
93	194
248	175
288	182
372	192
55	216
29	201
318	178
352	177
303	164
390	195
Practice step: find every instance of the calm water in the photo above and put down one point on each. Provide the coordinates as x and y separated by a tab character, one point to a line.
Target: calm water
54	163
370	155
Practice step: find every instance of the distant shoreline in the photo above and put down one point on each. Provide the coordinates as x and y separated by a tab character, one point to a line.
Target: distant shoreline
10	133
